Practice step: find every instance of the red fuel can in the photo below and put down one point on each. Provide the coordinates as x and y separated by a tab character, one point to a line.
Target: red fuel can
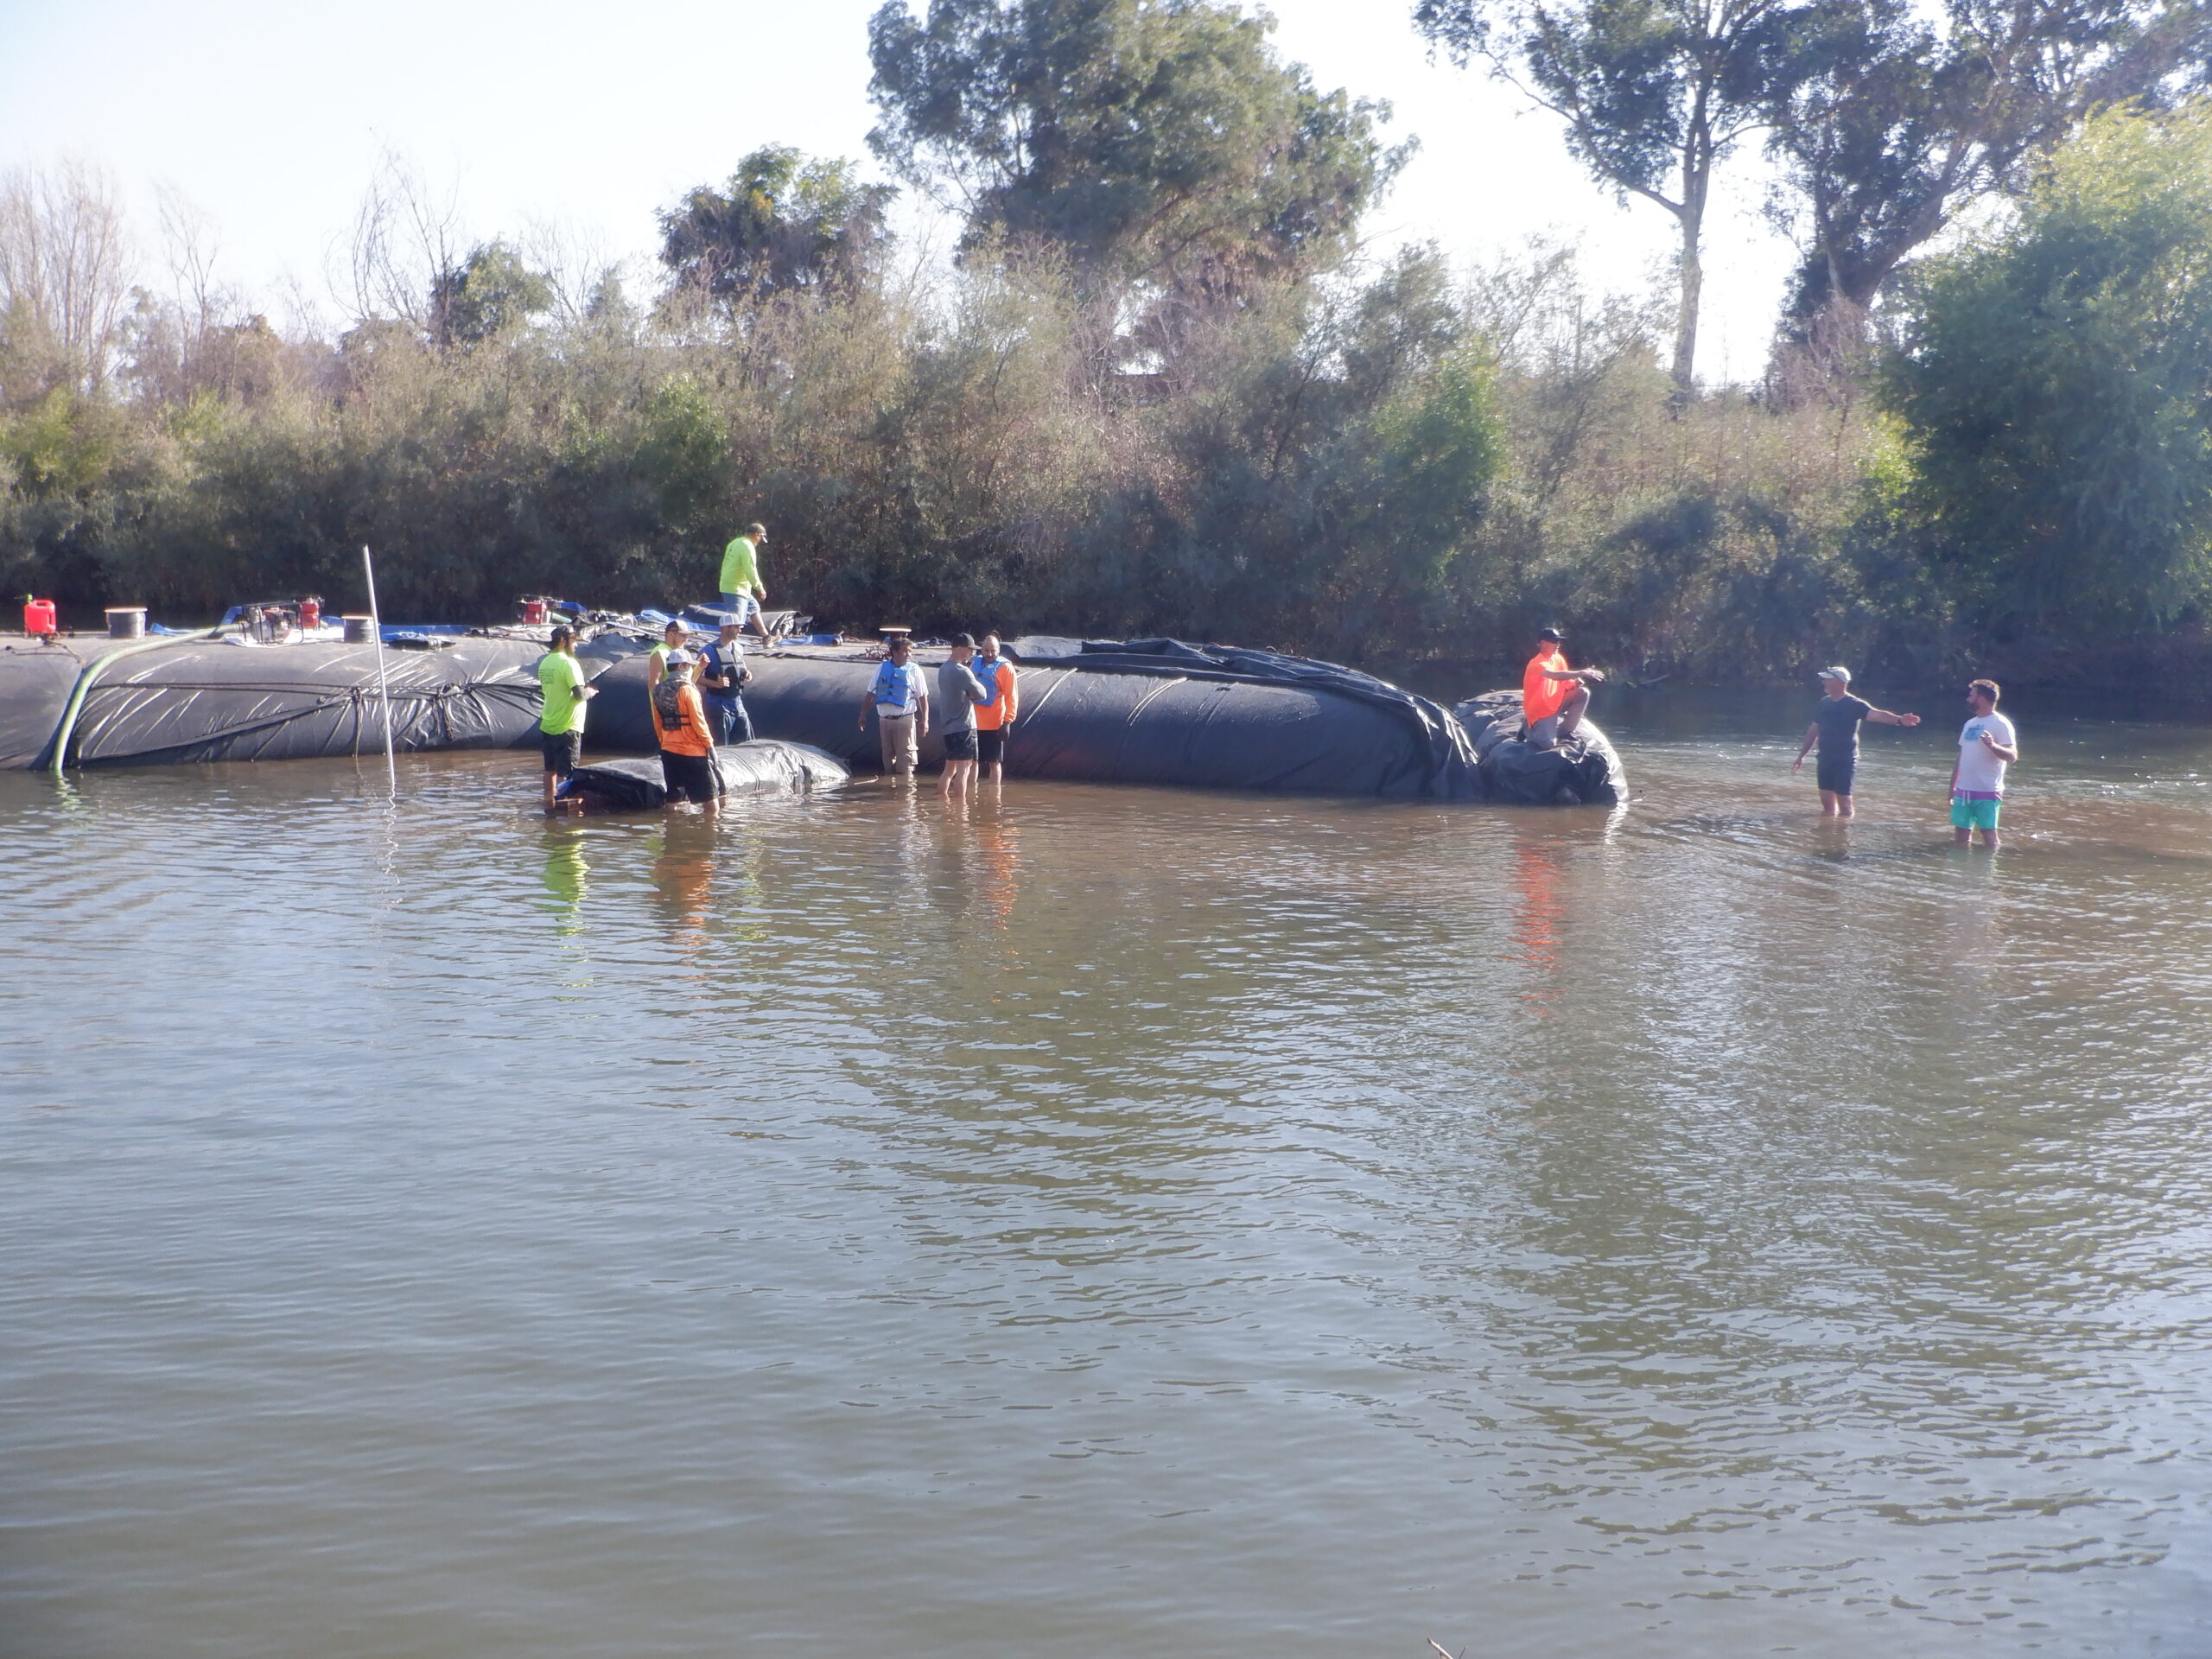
39	618
310	615
533	611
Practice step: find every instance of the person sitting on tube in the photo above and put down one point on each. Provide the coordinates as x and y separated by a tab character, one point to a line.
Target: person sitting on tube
1553	695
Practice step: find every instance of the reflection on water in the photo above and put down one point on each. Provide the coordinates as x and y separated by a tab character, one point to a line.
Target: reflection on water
1537	915
1111	1221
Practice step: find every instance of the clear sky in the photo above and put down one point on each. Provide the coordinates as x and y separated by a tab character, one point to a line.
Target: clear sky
271	115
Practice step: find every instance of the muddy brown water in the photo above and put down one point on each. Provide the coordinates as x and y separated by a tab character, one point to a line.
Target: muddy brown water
1111	1221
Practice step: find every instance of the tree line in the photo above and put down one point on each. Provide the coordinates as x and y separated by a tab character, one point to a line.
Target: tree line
1161	389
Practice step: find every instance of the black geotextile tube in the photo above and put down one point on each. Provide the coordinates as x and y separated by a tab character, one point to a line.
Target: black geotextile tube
1451	771
1163	712
211	700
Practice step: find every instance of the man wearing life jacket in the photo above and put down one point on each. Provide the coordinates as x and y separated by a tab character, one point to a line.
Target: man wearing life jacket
687	746
722	673
900	696
994	714
1553	695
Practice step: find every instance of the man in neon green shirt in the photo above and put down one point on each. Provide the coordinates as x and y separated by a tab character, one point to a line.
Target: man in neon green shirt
741	589
561	727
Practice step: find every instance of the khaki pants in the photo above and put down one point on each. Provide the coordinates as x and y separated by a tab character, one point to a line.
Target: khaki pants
1548	732
896	733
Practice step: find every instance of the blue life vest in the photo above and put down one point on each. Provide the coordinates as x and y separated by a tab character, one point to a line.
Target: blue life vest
987	671
895	685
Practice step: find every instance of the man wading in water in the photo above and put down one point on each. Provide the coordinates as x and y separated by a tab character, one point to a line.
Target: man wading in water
1988	744
958	691
900	697
994	714
561	727
1835	727
722	675
687	747
1553	695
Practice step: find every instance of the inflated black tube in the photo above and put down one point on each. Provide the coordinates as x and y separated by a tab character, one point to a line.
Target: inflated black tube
35	686
1096	728
764	767
1138	713
223	701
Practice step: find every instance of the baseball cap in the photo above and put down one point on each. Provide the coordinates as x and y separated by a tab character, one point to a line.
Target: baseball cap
682	658
1838	672
1553	635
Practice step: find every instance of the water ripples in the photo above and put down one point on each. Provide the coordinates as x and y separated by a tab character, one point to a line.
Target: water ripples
1128	1220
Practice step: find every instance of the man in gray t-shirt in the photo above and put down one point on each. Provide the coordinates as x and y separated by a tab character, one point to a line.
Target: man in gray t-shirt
958	691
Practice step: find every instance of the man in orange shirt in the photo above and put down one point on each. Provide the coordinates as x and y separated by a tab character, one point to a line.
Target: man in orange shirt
687	746
1553	695
994	719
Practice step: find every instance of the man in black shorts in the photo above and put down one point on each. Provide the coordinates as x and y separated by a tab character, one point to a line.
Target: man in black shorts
1836	728
686	744
958	691
561	726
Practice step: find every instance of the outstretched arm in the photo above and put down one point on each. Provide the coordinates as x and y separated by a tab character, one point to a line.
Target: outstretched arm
1884	717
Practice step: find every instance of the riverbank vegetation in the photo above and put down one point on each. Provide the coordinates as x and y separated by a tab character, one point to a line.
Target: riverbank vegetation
1161	389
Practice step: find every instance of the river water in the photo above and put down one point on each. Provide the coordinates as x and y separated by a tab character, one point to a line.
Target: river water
1111	1221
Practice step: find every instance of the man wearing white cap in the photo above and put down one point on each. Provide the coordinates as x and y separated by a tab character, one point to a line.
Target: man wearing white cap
1835	727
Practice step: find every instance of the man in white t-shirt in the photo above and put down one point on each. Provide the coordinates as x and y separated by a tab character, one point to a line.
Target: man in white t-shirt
1987	744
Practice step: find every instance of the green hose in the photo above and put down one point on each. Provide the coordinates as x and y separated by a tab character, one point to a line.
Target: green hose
90	671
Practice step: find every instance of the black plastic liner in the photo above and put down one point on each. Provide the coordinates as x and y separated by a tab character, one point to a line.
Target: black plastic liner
207	700
764	767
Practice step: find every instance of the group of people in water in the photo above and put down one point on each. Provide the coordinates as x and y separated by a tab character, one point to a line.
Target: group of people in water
698	704
1554	697
978	695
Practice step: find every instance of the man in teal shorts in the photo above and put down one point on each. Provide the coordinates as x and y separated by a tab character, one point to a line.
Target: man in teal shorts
1988	744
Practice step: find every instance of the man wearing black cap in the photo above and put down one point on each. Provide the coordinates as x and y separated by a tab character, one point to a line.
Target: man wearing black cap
959	692
1553	695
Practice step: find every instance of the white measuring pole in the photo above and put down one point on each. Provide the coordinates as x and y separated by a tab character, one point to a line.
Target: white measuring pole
383	685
